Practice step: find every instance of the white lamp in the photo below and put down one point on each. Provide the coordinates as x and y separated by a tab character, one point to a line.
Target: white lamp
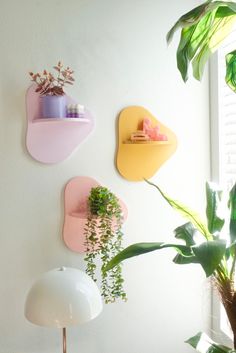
63	297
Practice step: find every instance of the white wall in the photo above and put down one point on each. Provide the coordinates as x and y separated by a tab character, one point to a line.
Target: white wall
120	56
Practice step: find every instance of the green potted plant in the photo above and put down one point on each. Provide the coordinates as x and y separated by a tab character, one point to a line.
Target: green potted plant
51	89
209	244
103	232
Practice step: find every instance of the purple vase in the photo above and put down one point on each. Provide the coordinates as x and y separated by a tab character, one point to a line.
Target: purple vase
54	106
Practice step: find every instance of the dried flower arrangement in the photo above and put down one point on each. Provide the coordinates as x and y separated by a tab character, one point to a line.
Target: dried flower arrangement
49	84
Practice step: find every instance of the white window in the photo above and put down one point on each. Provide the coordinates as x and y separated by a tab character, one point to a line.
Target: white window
223	153
223	117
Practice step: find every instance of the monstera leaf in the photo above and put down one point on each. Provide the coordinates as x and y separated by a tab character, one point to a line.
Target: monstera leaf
203	30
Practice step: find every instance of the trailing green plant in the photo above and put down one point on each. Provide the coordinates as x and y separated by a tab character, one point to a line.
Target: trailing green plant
202	31
210	244
103	232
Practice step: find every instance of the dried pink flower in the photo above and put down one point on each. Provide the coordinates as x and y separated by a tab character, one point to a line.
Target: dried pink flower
48	84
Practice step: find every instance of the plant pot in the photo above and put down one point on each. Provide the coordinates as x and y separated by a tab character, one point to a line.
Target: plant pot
54	106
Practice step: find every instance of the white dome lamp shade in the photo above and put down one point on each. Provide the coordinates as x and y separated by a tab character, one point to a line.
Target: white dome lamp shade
61	298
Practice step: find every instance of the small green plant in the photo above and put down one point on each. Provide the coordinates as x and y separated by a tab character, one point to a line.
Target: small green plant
103	233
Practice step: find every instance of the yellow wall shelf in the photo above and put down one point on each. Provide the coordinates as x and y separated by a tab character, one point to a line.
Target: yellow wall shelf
142	159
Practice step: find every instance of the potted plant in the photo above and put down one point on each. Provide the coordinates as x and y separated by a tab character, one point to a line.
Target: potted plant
209	244
103	232
51	89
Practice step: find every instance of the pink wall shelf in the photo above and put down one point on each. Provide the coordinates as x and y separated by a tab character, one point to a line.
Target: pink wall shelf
76	210
74	120
53	140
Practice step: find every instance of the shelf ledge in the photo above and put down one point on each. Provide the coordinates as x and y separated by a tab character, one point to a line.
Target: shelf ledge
149	143
74	120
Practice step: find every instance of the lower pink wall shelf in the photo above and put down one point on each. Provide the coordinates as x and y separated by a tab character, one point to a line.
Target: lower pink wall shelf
76	210
53	140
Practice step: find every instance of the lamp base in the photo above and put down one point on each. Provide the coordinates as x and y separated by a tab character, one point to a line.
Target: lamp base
64	339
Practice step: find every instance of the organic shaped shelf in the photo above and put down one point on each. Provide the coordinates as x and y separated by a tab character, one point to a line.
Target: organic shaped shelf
142	159
53	140
76	211
147	143
74	120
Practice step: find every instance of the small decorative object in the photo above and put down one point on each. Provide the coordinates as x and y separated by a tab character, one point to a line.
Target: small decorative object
211	244
153	132
139	135
51	89
103	232
61	298
75	111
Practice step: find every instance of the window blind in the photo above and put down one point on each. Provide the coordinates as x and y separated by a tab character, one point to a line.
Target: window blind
226	118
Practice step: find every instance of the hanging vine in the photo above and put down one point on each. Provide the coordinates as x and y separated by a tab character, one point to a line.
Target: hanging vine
103	233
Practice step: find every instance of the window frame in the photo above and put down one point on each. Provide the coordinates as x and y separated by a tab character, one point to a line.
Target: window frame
219	323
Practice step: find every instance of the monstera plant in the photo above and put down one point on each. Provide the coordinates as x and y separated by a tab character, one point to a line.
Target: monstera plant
202	31
210	244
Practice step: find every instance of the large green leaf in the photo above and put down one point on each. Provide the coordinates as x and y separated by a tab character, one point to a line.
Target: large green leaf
216	33
215	221
190	18
204	344
203	30
232	204
192	38
191	215
230	250
185	260
143	248
186	232
210	254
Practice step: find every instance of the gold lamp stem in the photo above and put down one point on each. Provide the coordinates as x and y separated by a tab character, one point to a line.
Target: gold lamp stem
64	339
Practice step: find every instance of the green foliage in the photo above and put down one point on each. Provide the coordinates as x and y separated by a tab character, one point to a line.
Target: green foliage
203	344
230	77
204	244
209	254
191	215
203	30
215	220
103	240
232	204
